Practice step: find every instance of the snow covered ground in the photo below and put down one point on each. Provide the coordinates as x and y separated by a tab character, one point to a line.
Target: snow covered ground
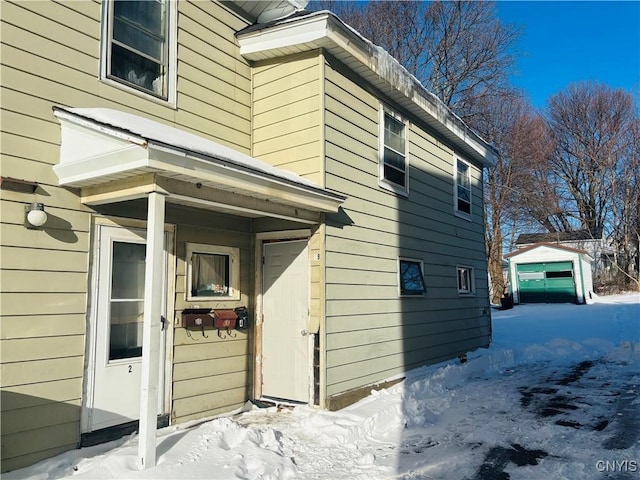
557	396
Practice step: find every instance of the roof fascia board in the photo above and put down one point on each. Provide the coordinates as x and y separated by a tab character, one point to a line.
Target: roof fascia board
120	190
304	31
189	193
325	30
548	245
211	198
164	159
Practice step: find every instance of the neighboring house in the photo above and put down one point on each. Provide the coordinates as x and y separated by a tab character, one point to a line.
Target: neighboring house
550	273
591	241
191	162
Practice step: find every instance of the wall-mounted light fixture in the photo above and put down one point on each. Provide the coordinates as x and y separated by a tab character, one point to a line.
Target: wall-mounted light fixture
36	216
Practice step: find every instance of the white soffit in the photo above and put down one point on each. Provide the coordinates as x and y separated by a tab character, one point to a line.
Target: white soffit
101	146
323	30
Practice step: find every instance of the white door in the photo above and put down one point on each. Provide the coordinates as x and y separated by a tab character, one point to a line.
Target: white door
285	343
114	373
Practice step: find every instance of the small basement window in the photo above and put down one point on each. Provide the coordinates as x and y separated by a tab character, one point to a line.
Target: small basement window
411	277
465	280
213	272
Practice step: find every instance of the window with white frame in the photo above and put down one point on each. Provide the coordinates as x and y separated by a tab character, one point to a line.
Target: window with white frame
463	188
213	272
465	280
137	50
393	152
411	277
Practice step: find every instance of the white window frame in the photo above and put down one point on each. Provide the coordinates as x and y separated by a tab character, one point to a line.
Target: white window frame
382	181
471	282
234	271
424	285
171	49
456	185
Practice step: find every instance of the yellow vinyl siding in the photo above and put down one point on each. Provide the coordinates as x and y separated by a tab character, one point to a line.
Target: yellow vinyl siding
371	333
49	326
35	394
43	442
205	366
45	370
25	419
213	403
27	349
287	115
210	367
50	55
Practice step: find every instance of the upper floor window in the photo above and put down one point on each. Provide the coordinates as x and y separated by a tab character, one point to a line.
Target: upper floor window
136	45
393	152
463	188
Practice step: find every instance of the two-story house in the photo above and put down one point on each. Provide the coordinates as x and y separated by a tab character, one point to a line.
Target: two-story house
166	163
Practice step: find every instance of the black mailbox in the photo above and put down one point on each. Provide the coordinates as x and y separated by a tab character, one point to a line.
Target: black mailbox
243	318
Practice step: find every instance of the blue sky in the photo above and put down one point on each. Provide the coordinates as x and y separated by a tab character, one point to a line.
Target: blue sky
572	41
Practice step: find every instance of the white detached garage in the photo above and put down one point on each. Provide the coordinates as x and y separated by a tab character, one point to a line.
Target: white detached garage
550	273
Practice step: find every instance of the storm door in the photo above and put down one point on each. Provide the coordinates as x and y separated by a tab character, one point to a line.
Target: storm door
114	369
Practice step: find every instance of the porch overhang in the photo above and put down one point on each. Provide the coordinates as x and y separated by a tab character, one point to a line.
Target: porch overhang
113	156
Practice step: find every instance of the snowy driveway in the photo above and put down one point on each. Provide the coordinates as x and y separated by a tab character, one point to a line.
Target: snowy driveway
557	396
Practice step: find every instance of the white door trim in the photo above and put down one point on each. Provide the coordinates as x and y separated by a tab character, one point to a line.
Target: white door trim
261	237
92	311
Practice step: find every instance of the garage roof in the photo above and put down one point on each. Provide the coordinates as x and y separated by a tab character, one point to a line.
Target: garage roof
546	244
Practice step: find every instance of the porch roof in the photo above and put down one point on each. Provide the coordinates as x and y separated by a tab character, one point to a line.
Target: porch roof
113	156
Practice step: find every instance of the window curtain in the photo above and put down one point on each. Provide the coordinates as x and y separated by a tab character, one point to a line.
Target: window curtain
208	272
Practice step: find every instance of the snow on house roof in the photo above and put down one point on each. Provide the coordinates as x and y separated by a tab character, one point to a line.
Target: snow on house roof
578	235
324	30
262	11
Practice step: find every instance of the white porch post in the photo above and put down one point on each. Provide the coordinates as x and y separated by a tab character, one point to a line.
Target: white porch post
151	331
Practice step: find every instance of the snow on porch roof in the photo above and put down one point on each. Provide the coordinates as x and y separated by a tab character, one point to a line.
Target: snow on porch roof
101	145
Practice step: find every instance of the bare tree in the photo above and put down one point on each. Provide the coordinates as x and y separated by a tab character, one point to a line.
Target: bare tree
595	161
590	123
625	217
467	54
521	136
458	50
